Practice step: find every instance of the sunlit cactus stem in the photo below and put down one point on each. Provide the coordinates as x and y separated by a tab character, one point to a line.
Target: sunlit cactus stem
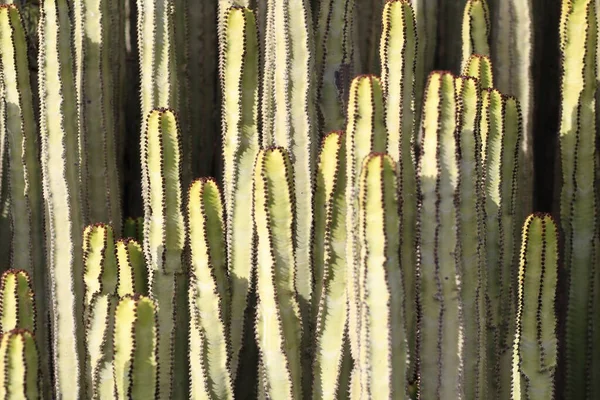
439	286
209	301
383	346
480	67
398	53
164	239
62	195
475	30
535	349
19	366
240	146
22	169
17	304
330	271
99	258
133	274
578	197
278	325
135	355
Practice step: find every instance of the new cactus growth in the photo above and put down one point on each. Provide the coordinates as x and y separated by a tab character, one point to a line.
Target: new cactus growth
17	305
535	349
133	276
475	30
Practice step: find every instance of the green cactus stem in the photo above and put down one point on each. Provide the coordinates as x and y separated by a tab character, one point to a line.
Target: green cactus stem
19	370
398	57
535	349
336	60
365	134
17	304
164	239
96	89
369	26
502	131
99	259
383	346
62	195
475	30
512	51
578	198
209	289
439	339
133	275
134	228
278	320
330	270
470	250
289	119
135	355
240	147
480	67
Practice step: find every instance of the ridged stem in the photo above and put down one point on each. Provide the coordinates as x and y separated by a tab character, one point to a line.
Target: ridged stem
19	368
17	304
475	30
480	67
133	274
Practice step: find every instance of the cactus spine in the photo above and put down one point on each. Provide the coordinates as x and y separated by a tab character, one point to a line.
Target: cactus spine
398	56
330	270
578	202
383	352
164	237
441	325
278	320
62	194
208	292
240	147
535	347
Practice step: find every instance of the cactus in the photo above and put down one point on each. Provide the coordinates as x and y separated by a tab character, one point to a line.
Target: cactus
17	304
330	270
96	96
135	355
19	369
240	147
134	228
535	347
440	322
100	264
398	56
365	132
164	237
62	194
475	30
209	290
578	202
132	273
382	345
480	67
278	321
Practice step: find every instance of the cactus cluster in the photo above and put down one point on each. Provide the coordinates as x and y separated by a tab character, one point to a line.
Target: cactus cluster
321	213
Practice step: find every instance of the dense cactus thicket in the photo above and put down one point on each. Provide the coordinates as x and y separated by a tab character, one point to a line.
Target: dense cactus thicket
294	199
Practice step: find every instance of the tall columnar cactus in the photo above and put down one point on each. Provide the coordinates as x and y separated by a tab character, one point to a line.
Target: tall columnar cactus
100	278
330	270
98	112
133	275
475	30
209	301
240	147
578	198
134	228
62	194
440	322
289	118
535	349
398	57
501	132
279	325
470	250
336	60
19	371
368	27
480	67
135	355
382	345
164	239
24	170
512	50
365	133
17	305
